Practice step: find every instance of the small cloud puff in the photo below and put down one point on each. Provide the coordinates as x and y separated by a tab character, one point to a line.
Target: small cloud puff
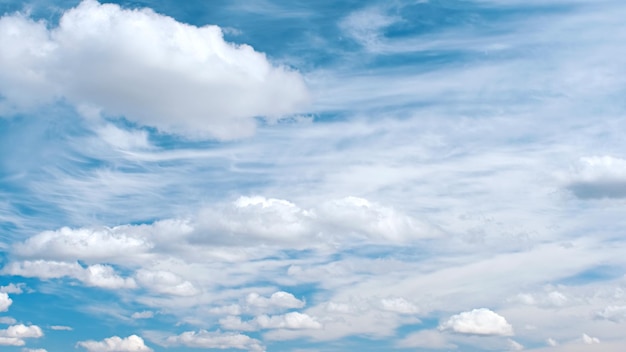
132	343
589	340
478	322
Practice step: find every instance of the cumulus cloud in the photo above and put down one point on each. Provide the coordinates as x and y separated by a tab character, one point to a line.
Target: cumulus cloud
216	340
34	350
14	335
84	243
146	314
278	300
5	302
146	66
589	340
613	313
399	305
291	320
165	282
13	288
132	343
281	221
375	221
599	177
478	322
260	218
97	275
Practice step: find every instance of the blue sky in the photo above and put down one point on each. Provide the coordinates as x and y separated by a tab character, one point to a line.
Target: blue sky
312	175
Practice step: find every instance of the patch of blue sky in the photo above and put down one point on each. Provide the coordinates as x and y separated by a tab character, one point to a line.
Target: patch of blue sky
592	275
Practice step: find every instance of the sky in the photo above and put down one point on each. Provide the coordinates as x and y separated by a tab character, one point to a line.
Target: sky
429	175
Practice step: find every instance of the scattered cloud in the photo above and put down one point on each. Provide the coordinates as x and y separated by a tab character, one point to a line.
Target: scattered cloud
14	335
480	321
97	275
132	343
291	320
216	340
5	302
7	320
278	300
146	314
13	288
588	340
613	313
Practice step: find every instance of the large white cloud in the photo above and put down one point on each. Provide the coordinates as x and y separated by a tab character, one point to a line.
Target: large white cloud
480	321
147	67
216	340
14	335
132	343
97	275
5	302
84	243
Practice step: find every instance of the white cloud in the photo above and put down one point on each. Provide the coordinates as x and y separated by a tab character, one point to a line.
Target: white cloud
260	218
22	331
515	346
613	313
588	340
85	243
132	343
34	350
399	305
165	282
282	222
11	341
366	25
607	167
480	321
148	67
355	214
552	342
430	339
14	335
278	300
146	314
97	275
5	302
13	288
291	320
599	177
7	320
61	328
206	339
